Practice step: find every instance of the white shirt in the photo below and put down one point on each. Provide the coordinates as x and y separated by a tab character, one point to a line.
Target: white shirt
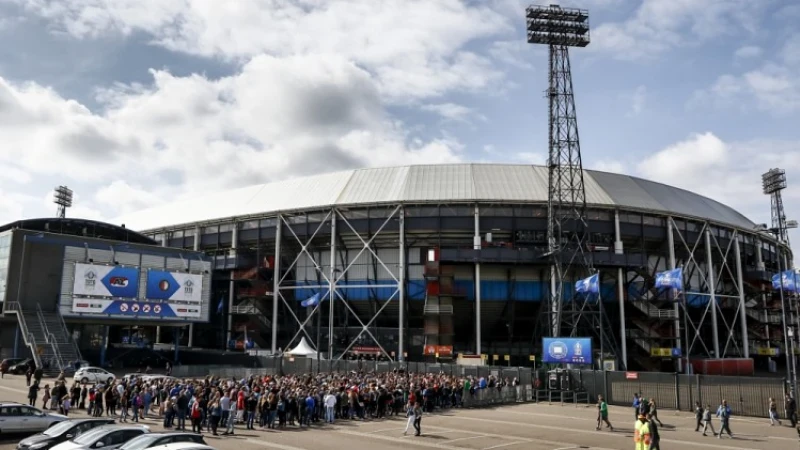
330	400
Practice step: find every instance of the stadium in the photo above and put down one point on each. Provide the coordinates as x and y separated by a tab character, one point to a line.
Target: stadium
429	262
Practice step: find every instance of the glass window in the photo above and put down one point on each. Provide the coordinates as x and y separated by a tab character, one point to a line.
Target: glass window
317	217
158	237
249	224
271	222
380	213
692	226
653	221
598	214
496	211
456	211
355	214
177	234
226	227
210	230
296	219
422	211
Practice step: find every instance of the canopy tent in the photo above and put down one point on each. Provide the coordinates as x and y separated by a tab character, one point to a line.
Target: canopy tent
302	349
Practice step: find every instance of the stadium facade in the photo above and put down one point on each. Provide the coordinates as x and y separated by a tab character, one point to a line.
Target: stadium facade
443	259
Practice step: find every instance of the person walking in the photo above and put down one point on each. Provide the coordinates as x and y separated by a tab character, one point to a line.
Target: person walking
652	428
33	392
698	415
602	413
772	407
791	410
637	402
707	421
418	419
410	416
654	411
724	414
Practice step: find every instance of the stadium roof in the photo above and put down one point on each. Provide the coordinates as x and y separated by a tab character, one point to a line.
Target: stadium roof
80	227
434	183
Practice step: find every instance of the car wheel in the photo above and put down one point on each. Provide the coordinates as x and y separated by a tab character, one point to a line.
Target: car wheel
84	380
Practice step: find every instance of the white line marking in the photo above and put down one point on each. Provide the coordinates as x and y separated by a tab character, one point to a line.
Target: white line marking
469	437
274	445
13	390
504	445
385	430
578	431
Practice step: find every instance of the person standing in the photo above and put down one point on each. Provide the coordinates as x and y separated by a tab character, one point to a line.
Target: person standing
698	415
773	412
791	410
602	413
33	392
231	419
637	402
724	414
330	407
641	433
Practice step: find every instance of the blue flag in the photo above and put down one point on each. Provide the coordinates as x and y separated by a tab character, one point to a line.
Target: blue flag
311	301
787	278
589	285
220	305
670	279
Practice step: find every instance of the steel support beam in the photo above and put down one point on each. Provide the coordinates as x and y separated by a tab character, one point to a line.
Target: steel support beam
401	325
676	306
742	311
476	240
276	280
619	250
332	289
712	288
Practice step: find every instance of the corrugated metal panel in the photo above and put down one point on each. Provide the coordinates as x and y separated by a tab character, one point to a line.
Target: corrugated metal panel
625	192
503	182
494	272
595	194
100	256
128	259
361	268
413	255
521	273
464	272
74	253
176	264
374	186
453	182
416	272
390	258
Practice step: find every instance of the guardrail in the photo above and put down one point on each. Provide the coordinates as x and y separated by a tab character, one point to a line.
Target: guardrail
563	397
492	396
71	338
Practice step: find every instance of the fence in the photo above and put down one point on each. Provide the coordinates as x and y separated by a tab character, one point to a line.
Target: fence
747	396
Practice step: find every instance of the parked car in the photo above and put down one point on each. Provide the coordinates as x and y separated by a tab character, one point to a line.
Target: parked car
18	418
183	446
155	439
21	367
93	375
8	363
106	437
60	432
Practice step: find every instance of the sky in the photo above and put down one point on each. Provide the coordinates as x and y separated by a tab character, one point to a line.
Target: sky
136	103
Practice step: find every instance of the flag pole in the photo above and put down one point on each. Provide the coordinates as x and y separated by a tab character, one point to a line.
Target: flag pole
600	305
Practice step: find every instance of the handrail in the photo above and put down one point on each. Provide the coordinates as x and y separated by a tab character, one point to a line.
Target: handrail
49	337
70	337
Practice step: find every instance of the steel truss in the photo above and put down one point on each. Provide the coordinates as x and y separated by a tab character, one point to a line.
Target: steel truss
330	281
720	279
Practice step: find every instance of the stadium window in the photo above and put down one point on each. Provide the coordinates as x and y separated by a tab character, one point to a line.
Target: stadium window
317	217
188	232
249	224
598	214
354	214
631	218
224	228
177	234
680	225
693	227
428	211
653	221
299	219
379	213
209	230
158	237
497	211
268	223
455	211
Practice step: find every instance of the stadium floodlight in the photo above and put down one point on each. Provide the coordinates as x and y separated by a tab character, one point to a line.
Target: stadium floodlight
62	197
791	224
773	181
554	25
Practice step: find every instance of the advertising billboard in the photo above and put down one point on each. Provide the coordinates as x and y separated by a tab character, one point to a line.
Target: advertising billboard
176	286
141	310
563	350
105	281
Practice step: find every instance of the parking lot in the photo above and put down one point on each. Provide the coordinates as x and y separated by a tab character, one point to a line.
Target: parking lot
517	427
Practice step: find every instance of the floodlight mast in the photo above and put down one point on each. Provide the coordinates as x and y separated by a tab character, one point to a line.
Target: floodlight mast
62	196
567	231
773	182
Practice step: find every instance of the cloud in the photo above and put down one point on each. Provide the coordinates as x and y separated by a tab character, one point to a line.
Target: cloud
658	26
748	51
454	112
638	100
177	137
413	48
773	87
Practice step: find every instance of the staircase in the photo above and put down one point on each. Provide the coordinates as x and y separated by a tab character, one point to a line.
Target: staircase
59	338
652	312
438	309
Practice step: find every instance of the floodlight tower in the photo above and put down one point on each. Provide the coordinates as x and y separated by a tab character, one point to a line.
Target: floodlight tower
561	28
774	181
62	196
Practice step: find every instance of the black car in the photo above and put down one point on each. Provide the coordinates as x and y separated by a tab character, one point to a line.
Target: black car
20	368
155	439
61	432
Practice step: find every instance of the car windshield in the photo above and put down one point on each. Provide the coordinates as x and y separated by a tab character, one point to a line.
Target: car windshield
139	442
59	428
90	436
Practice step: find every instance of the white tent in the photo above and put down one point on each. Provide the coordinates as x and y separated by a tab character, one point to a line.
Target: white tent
303	349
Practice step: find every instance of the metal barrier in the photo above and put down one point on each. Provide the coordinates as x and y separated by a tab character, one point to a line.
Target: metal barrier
488	397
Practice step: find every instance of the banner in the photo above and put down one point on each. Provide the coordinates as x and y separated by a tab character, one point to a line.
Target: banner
787	278
141	310
441	350
184	287
105	281
567	350
589	285
670	279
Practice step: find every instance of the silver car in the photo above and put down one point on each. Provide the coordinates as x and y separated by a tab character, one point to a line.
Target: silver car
19	418
107	437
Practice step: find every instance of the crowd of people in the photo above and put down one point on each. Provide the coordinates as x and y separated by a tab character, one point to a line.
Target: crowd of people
220	405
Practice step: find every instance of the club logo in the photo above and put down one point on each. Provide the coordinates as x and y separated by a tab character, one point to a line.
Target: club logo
146	309
123	307
89	279
157	309
188	287
163	285
135	308
558	350
118	282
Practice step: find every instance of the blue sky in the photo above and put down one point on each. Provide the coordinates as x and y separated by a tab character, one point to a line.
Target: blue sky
138	102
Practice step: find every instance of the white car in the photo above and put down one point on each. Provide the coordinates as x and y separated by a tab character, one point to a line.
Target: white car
93	375
183	446
106	437
18	418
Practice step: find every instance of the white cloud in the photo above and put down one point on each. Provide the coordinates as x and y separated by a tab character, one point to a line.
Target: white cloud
748	51
414	48
638	100
454	112
181	136
608	166
659	25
